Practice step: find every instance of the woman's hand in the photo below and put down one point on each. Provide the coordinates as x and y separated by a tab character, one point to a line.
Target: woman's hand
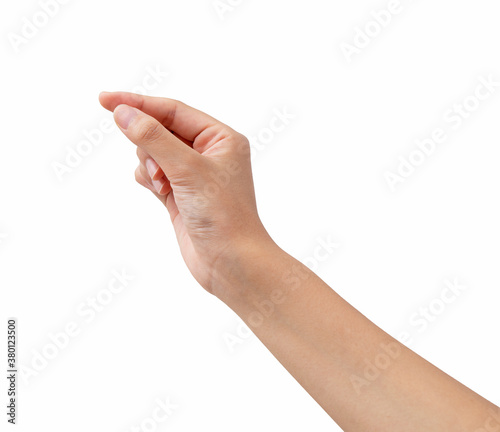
363	378
200	170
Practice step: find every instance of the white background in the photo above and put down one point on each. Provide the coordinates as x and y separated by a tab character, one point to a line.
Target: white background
323	175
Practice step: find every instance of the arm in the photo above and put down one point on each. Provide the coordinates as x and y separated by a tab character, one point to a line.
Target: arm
200	170
327	345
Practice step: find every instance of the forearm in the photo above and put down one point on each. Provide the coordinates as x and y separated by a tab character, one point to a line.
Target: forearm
327	346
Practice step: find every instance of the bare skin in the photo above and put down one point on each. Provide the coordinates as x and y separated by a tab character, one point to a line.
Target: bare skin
199	168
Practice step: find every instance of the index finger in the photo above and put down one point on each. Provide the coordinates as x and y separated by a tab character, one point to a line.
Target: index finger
185	121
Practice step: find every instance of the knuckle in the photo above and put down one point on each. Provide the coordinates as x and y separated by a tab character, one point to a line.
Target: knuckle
241	145
148	130
242	139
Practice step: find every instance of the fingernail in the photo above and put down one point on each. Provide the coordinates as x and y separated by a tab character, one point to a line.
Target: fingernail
152	167
124	115
158	185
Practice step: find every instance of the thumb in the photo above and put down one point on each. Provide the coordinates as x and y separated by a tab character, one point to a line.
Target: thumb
149	134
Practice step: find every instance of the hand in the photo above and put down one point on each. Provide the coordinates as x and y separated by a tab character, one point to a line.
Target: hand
200	170
363	378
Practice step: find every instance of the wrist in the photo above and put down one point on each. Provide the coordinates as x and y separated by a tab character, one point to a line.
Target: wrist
236	276
259	279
